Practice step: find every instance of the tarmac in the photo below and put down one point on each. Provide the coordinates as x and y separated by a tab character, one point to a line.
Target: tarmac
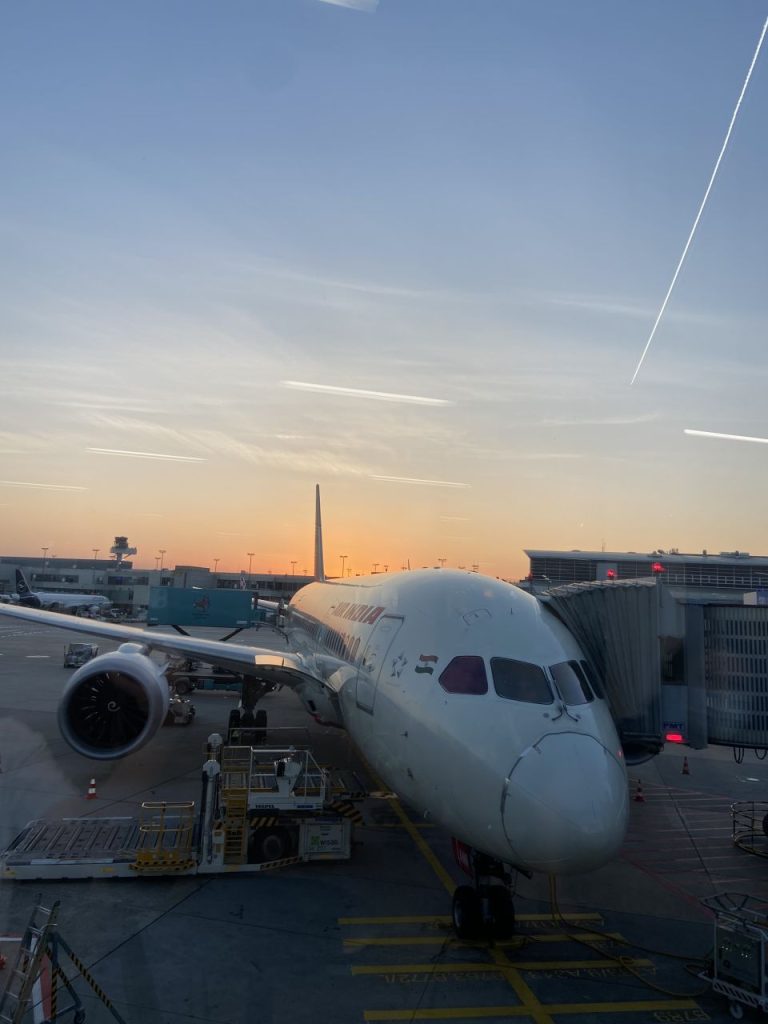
368	939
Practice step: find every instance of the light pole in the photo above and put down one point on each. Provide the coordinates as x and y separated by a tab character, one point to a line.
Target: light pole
216	565
343	560
157	561
250	559
162	555
95	553
45	558
386	568
442	562
375	567
293	568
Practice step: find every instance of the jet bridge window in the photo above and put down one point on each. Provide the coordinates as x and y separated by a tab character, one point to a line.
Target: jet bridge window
571	682
519	680
465	674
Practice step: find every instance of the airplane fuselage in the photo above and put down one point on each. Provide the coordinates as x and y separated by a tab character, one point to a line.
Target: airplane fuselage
461	692
53	601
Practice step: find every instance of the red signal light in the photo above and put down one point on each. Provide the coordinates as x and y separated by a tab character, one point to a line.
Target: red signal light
674	737
657	567
610	574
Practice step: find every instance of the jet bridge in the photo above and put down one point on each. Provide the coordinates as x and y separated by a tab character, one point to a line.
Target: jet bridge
617	625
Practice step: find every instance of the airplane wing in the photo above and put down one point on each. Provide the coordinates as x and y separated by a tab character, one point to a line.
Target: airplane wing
306	677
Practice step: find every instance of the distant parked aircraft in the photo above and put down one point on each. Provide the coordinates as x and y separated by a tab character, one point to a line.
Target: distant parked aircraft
56	602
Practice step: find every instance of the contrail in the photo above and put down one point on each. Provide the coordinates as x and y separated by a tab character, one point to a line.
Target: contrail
380	396
703	202
145	455
726	437
416	480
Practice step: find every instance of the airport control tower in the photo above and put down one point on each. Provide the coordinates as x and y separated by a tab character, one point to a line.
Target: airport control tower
121	550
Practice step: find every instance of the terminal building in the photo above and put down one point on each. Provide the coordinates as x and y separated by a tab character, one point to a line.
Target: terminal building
128	587
725	573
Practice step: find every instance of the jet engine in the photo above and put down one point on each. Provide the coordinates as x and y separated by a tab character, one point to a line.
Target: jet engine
114	704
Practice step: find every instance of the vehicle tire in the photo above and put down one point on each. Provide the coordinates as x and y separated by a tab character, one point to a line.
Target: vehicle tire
182	686
467	913
273	845
737	1011
247	719
79	1017
502	912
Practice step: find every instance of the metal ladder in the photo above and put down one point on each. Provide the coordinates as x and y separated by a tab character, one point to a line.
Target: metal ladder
33	948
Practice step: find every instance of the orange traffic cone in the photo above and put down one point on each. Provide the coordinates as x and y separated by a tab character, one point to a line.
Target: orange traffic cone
686	770
91	794
639	798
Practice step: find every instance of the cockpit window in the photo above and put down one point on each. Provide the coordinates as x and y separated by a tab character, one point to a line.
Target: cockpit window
465	674
519	680
591	675
571	682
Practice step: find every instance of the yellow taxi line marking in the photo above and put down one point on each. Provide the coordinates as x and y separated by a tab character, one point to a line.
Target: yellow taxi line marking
438	940
424	849
472	968
446	918
521	988
461	1013
413	832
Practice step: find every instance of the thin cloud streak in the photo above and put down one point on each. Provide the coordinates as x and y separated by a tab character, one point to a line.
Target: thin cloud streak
379	396
356	5
41	486
602	421
726	437
145	455
416	480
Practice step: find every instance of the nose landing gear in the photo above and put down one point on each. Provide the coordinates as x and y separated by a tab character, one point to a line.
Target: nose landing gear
485	909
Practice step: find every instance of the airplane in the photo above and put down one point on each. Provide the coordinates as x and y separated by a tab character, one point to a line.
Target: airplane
466	695
56	602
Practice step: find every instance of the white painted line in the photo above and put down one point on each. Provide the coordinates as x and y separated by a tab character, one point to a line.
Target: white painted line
38	655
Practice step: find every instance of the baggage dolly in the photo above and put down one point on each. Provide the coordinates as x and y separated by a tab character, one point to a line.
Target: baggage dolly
739	970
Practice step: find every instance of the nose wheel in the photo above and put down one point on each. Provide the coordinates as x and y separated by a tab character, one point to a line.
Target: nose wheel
485	909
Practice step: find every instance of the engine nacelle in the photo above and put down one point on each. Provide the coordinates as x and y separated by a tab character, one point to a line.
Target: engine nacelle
114	704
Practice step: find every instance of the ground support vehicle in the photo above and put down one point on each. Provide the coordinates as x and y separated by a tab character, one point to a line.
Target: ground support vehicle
78	654
739	970
259	809
181	711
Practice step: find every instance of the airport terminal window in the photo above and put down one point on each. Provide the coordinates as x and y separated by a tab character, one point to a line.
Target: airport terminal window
519	680
571	682
465	674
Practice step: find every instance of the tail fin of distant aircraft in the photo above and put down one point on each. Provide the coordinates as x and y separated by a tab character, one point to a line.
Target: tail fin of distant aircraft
22	587
26	597
319	567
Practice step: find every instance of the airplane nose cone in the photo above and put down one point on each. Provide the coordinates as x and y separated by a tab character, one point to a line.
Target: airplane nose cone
565	805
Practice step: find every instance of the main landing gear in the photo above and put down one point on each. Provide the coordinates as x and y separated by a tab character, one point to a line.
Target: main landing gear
485	909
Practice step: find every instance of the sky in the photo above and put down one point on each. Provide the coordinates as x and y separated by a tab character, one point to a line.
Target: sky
410	250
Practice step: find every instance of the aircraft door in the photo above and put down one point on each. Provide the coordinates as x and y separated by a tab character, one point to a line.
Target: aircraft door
374	656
